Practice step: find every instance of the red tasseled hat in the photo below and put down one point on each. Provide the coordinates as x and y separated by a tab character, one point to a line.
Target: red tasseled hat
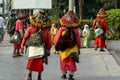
70	20
102	13
40	20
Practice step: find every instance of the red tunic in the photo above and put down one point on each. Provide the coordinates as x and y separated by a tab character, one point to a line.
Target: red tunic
36	64
68	63
19	24
99	41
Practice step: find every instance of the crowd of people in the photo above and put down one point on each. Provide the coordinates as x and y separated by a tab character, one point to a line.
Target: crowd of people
58	35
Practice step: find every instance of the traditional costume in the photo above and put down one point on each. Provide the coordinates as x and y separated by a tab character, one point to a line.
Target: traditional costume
85	34
36	64
100	40
67	63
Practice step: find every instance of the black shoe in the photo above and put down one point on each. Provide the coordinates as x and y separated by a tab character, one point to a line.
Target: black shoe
63	76
39	76
14	55
70	77
29	76
102	50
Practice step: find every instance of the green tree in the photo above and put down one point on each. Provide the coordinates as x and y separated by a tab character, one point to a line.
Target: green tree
59	7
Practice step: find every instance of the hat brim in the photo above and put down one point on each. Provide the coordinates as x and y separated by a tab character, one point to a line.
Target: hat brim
98	15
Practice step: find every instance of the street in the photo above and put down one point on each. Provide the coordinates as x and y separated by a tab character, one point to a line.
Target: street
94	65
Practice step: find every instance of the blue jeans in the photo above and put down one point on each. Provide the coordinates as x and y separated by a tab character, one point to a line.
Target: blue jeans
1	30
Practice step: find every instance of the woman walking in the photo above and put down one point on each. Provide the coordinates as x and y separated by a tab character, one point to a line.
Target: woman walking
19	25
85	35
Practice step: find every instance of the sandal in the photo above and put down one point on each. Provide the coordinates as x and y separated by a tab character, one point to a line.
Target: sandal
14	55
20	55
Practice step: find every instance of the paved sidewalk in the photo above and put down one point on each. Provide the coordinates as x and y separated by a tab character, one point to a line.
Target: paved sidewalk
94	65
97	65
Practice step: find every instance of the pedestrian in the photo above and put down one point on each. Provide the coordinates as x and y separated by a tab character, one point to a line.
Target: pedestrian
35	64
11	24
2	28
85	35
53	32
69	25
101	29
18	26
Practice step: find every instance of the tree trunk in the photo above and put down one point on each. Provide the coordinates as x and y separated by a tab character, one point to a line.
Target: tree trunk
81	9
116	4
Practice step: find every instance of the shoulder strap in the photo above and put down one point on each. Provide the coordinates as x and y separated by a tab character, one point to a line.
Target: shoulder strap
98	23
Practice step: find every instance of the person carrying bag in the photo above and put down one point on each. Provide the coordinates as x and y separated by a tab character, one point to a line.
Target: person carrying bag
37	52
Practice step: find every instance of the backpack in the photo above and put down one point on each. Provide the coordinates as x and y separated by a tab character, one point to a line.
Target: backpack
68	40
11	26
35	39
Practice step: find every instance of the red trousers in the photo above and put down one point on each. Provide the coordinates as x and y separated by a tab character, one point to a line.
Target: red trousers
100	42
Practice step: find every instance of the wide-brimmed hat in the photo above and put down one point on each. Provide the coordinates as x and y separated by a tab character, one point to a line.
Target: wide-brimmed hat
69	20
102	13
40	19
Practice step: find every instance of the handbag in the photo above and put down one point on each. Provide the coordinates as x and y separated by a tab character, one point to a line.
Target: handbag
36	51
15	38
98	32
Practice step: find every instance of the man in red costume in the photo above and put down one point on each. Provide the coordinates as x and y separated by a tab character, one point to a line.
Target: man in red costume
36	64
100	39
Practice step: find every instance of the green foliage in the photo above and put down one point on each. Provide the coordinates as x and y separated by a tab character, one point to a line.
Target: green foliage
109	4
89	23
90	9
85	21
113	21
59	8
113	18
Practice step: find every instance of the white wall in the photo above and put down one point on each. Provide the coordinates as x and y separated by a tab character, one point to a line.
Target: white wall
32	4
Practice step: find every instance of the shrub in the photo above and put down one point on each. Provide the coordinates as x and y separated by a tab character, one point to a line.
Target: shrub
113	21
88	22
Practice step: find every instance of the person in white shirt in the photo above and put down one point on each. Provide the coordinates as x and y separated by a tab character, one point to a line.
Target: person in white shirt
2	27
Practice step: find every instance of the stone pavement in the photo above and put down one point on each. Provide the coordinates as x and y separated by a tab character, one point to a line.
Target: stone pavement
94	65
